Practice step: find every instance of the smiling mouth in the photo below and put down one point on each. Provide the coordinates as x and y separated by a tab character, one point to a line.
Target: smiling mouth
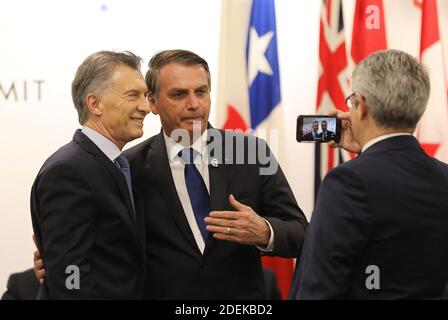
139	120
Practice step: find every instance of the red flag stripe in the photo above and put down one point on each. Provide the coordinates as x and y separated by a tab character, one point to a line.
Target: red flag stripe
332	63
234	119
367	40
430	25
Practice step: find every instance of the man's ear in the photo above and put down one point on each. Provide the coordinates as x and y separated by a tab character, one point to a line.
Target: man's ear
94	104
363	110
152	103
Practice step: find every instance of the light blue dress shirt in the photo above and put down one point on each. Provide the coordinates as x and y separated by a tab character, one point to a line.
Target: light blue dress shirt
105	145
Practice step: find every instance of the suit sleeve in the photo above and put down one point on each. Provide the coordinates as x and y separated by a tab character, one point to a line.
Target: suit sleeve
64	204
11	292
279	207
337	234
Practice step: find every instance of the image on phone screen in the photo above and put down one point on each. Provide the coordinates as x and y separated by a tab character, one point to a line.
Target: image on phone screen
318	129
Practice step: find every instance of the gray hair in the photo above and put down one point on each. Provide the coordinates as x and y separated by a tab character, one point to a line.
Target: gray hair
165	57
395	86
94	76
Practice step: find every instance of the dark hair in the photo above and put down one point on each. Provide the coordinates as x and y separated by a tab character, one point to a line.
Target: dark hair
165	57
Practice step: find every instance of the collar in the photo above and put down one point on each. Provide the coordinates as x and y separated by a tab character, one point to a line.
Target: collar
383	137
173	148
105	145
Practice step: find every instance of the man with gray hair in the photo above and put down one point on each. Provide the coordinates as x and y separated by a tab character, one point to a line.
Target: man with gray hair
379	227
87	219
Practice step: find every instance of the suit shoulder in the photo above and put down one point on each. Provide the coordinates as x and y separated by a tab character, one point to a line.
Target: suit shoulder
443	166
362	163
349	172
70	160
71	153
22	278
141	148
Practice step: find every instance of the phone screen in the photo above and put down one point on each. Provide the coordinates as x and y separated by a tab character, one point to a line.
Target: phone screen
318	129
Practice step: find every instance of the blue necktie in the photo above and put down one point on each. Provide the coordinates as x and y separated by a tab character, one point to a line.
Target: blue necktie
123	164
197	191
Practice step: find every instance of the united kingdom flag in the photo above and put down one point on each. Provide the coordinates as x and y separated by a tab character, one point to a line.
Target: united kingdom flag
333	83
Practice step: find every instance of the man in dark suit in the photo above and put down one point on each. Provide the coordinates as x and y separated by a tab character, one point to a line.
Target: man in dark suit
379	228
326	135
22	286
313	135
87	220
208	219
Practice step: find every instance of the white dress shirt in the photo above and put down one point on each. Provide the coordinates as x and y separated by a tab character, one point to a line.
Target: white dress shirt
177	170
201	162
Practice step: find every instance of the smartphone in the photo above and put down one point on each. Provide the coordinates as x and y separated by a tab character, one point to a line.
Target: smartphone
318	129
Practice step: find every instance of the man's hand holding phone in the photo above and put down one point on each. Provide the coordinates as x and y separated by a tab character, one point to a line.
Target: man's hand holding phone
347	142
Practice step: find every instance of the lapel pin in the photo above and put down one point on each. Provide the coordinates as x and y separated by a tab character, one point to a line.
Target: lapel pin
214	162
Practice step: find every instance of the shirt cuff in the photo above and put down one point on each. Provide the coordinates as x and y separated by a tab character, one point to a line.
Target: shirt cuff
270	246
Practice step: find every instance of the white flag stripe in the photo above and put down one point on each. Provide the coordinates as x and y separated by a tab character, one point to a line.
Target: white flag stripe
433	127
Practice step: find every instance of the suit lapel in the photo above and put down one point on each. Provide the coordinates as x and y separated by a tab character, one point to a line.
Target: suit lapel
136	216
161	172
140	222
218	175
121	184
119	178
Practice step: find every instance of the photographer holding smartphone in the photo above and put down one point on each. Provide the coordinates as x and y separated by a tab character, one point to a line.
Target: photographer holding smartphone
378	230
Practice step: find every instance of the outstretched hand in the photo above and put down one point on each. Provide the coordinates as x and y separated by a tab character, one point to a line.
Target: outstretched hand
243	225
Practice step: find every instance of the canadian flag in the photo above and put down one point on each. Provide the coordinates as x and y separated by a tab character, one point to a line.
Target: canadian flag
432	130
333	83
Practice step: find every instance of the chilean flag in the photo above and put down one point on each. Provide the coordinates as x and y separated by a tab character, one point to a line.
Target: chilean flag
248	80
249	85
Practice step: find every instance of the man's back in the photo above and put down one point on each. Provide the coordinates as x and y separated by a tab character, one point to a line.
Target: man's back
391	212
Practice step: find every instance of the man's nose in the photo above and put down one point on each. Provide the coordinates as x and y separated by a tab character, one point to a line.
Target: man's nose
143	105
192	102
